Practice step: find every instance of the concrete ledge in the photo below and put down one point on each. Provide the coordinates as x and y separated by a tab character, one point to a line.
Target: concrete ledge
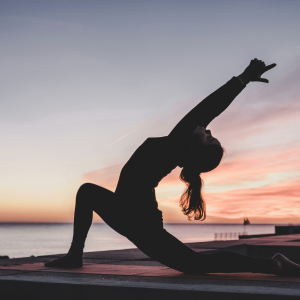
130	274
284	230
27	287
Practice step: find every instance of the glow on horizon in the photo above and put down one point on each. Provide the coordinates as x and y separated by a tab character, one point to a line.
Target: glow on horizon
83	85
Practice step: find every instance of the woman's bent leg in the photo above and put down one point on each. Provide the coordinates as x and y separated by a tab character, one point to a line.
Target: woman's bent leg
83	217
168	250
89	198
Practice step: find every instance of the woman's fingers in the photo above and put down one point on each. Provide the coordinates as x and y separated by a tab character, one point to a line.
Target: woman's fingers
266	68
255	69
269	67
262	80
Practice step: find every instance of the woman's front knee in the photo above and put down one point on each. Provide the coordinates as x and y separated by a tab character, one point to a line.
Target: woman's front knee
84	190
93	191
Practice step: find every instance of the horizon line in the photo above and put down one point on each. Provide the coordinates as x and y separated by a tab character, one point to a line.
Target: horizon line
67	223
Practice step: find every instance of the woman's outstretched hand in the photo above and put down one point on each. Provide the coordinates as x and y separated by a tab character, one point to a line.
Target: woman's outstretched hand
254	71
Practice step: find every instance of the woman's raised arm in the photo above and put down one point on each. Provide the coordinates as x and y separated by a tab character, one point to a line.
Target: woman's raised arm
218	101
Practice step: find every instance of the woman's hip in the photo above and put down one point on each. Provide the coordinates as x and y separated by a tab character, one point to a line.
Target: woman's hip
125	215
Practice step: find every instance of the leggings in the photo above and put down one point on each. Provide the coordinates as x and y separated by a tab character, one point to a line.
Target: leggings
155	242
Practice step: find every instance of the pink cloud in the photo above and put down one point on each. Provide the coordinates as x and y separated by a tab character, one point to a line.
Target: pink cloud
280	201
106	177
256	164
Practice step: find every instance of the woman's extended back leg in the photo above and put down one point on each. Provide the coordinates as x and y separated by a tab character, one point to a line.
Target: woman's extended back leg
168	250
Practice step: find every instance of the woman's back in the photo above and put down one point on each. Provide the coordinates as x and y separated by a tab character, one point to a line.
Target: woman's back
151	162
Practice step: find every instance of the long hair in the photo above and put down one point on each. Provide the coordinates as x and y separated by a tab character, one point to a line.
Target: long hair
191	201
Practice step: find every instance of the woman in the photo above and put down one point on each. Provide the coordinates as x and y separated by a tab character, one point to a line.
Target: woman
132	209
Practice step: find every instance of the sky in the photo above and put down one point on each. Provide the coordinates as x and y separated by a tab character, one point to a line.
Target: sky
84	83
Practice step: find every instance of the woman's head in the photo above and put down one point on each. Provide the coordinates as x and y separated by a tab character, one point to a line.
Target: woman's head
201	136
205	155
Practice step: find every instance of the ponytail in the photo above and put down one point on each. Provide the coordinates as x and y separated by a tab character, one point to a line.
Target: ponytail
191	201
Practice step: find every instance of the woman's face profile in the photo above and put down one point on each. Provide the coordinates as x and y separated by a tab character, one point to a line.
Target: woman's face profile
203	137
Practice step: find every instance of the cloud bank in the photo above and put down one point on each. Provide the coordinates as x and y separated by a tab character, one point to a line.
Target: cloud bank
259	176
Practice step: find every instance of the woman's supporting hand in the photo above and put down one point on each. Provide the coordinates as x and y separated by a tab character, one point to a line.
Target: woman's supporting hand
254	71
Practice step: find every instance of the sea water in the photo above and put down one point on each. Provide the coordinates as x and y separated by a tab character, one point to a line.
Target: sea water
27	239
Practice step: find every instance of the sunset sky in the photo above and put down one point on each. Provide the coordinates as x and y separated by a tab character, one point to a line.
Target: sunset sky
84	83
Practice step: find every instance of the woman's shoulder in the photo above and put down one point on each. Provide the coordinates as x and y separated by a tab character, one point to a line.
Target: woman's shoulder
162	141
166	144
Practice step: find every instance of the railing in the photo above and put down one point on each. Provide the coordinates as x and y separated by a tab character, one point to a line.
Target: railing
228	236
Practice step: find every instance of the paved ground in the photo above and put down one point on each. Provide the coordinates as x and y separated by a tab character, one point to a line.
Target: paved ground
130	274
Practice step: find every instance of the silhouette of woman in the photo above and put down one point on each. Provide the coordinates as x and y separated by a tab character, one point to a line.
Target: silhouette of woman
132	209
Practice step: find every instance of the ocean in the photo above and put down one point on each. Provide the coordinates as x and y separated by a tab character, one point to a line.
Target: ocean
35	239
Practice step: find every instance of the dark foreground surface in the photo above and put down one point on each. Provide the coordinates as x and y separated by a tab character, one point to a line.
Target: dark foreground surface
130	274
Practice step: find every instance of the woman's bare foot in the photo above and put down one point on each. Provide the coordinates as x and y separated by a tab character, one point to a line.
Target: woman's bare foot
284	267
68	261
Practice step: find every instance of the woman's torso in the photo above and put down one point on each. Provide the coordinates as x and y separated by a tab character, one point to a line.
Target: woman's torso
151	162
